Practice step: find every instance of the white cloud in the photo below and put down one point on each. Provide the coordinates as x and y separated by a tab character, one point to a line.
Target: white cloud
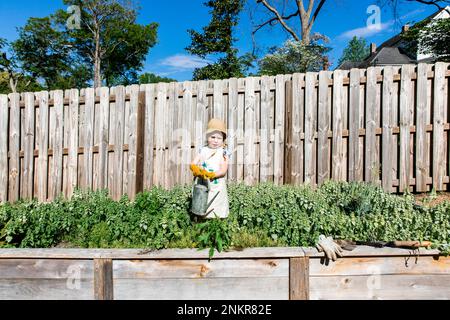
184	62
366	31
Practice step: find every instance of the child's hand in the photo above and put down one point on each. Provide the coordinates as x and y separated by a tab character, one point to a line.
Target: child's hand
196	170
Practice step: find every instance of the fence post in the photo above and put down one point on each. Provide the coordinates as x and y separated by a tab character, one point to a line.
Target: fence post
299	278
103	279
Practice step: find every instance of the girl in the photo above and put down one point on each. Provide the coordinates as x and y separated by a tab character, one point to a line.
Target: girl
214	158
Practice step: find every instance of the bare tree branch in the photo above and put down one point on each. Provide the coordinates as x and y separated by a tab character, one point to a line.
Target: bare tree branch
279	18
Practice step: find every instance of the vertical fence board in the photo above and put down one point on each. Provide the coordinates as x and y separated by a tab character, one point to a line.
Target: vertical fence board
249	132
218	107
43	146
371	124
89	138
4	148
133	91
186	125
14	147
279	143
405	124
439	165
28	173
297	128
387	140
58	134
233	95
338	165
240	133
265	159
73	142
323	128
119	131
149	141
159	134
354	169
310	166
422	150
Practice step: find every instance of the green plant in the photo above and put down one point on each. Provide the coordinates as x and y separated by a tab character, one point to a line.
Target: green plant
213	234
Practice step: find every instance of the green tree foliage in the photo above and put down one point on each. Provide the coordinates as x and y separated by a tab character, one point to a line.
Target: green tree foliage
11	77
153	78
217	39
429	38
356	50
294	56
108	48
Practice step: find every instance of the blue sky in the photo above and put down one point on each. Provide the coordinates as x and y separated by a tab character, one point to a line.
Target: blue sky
339	20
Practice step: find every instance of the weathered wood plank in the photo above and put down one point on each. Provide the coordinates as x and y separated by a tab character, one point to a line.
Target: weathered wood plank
203	289
72	161
89	137
14	147
354	164
422	147
149	140
103	279
132	122
266	126
57	158
103	122
380	287
43	146
310	165
367	251
240	133
160	134
387	121
40	279
299	278
119	131
28	162
371	169
186	133
218	107
250	168
200	269
412	265
324	110
139	254
338	165
4	134
279	139
439	162
406	115
298	109
232	128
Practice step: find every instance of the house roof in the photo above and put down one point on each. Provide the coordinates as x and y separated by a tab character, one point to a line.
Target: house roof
389	52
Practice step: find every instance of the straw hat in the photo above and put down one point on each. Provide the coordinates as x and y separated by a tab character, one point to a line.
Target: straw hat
216	125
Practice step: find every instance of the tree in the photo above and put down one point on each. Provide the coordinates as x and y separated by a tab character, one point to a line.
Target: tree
217	38
356	50
429	37
153	78
11	78
44	52
109	40
294	56
307	16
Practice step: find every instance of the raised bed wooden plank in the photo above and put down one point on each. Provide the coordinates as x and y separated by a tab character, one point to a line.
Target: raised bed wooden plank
61	253
42	279
194	269
366	251
380	287
381	265
203	289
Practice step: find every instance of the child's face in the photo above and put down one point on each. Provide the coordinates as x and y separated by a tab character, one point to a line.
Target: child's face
215	140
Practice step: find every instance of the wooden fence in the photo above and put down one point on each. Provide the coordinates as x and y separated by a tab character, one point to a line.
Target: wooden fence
249	274
389	126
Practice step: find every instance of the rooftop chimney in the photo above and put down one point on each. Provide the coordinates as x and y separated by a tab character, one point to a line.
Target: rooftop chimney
405	28
373	48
